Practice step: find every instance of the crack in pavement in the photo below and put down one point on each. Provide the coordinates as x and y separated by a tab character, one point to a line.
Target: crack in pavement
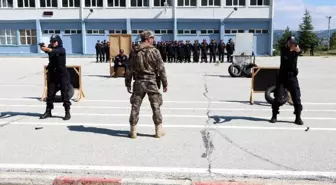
206	137
9	122
251	153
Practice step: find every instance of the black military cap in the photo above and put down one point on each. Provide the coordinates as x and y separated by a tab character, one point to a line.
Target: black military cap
291	39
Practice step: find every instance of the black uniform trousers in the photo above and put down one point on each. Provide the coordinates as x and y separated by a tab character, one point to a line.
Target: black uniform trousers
196	56
116	65
205	56
291	84
188	57
212	56
221	56
58	79
229	57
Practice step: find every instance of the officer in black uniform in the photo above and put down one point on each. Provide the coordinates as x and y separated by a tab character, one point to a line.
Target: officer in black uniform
221	51
205	47
107	51
187	51
230	48
181	52
196	51
170	50
287	79
57	76
213	50
97	47
163	51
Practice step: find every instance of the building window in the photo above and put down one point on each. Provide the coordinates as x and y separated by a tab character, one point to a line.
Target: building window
163	32
93	3
70	3
233	31
118	31
186	2
6	3
260	2
186	32
46	32
26	3
70	32
162	2
8	37
48	3
95	32
136	31
139	3
210	3
27	37
209	32
258	31
235	2
116	3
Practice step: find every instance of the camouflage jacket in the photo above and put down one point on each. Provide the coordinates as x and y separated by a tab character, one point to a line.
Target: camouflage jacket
146	64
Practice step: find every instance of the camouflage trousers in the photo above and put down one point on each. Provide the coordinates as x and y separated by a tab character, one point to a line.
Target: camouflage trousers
140	89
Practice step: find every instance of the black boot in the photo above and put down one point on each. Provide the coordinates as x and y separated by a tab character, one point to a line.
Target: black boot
274	118
67	115
47	114
298	119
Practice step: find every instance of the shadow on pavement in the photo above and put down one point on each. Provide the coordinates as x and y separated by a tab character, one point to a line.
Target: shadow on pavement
100	76
222	76
110	132
224	119
261	103
5	115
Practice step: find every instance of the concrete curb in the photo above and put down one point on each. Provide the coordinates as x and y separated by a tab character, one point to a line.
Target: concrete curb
20	179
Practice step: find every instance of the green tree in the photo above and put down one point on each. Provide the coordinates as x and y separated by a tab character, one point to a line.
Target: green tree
306	36
333	40
282	42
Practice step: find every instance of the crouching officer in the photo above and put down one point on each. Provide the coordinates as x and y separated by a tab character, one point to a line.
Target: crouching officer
287	79
57	76
145	68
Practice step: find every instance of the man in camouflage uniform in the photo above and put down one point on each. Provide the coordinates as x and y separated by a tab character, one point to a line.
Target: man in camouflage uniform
148	71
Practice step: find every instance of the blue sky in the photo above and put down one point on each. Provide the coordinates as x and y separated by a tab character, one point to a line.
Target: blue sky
290	12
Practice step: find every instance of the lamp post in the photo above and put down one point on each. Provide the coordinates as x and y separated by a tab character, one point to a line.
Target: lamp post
328	17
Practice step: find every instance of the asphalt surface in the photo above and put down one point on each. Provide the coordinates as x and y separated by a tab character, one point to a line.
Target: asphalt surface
236	135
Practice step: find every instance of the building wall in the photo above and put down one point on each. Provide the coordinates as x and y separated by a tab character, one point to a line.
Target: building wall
80	28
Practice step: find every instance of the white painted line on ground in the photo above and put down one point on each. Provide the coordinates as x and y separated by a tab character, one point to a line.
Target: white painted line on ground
172	108
298	128
13	85
232	172
173	116
166	101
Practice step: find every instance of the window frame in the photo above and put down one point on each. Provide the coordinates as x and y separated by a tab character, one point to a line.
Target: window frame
138	31
26	36
96	2
93	30
51	4
2	5
137	4
208	3
187	30
234	31
23	4
51	31
117	31
263	3
238	1
78	31
114	4
184	3
68	3
12	35
161	3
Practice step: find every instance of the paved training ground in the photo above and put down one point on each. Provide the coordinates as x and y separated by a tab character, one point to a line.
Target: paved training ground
234	141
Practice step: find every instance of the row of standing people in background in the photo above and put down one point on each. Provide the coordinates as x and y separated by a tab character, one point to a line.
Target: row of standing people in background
178	51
